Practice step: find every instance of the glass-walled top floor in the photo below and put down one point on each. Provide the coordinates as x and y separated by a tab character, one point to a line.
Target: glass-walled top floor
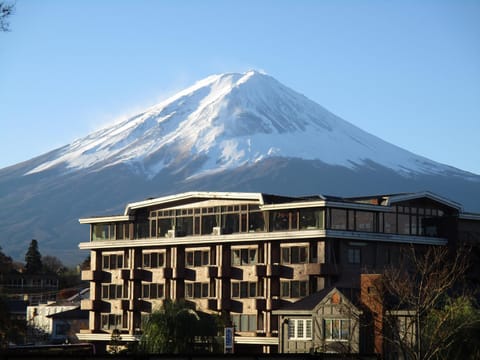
224	220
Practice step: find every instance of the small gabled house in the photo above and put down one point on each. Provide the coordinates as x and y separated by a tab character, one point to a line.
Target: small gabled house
326	321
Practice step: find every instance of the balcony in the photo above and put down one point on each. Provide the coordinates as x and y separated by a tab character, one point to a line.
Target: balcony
260	270
273	270
269	270
134	274
260	304
219	304
92	305
272	304
167	272
94	275
212	272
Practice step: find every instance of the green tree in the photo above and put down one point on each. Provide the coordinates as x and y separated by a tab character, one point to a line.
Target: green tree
170	330
52	264
6	263
456	325
428	288
33	259
5	11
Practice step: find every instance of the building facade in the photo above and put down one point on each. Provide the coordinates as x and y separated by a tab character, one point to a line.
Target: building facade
247	255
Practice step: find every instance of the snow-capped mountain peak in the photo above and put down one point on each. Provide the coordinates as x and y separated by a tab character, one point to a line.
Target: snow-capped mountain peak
230	120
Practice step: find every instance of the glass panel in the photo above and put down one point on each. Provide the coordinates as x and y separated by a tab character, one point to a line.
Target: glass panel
244	289
208	223
236	322
285	255
302	256
364	221
145	291
279	221
236	257
390	223
252	256
338	219
153	260
295	255
291	328
303	288
204	290
328	329
163	226
295	289
153	291
235	290
184	226
153	228
252	289
285	289
146	260
308	329
345	331
189	258
256	222
403	224
231	223
244	323
335	329
197	290
161	259
300	329
197	258
252	322
310	219
244	255
205	258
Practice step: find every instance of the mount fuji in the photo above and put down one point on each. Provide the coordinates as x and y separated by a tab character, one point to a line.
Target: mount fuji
228	132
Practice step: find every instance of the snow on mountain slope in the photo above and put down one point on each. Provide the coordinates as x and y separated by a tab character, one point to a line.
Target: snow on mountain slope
231	120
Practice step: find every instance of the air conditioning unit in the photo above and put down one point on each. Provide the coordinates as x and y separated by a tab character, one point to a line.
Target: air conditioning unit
217	231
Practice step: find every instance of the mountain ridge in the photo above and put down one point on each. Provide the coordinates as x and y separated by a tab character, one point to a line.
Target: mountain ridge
227	132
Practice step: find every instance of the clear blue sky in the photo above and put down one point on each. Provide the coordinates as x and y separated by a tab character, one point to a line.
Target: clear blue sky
406	71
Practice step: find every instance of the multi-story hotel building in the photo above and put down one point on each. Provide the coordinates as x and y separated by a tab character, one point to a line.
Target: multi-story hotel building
247	255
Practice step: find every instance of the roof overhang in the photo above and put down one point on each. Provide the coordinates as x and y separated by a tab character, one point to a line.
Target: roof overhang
194	195
105	219
424	194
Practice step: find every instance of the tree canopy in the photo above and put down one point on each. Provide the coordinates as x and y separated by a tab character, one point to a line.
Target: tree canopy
173	328
6	10
33	259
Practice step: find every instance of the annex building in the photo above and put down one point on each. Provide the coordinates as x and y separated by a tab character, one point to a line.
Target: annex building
272	264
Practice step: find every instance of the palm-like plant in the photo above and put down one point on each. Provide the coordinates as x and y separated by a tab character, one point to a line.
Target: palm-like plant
170	330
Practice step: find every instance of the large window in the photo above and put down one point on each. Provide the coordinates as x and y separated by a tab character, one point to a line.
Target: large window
113	291
354	256
300	329
244	322
295	254
256	222
103	232
336	329
293	288
247	289
153	260
113	261
244	256
194	258
112	321
153	291
198	290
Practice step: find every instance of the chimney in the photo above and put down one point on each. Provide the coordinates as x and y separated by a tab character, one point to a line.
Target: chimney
371	296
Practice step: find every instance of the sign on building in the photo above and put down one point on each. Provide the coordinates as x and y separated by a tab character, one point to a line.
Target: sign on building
229	338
